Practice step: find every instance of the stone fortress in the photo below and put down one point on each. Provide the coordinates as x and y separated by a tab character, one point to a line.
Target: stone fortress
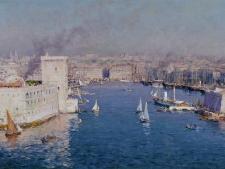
27	104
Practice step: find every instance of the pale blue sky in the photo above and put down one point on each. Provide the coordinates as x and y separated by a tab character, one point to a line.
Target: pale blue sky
71	27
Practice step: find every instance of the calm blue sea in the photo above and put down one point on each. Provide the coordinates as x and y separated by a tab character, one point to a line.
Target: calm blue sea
114	138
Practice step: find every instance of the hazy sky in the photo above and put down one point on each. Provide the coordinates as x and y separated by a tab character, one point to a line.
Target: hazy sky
71	27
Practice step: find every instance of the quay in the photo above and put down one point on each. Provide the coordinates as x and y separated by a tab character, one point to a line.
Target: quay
180	108
34	123
189	87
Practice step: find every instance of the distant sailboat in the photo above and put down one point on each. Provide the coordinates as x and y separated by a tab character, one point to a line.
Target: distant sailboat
101	83
96	107
80	83
144	118
78	122
19	128
80	101
12	130
151	92
139	108
86	100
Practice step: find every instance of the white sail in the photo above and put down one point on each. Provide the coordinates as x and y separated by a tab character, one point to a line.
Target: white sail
142	115
174	99
146	116
78	91
80	83
165	96
139	108
19	128
152	92
96	107
86	100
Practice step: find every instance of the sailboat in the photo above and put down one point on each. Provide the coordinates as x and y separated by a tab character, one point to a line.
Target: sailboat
86	100
80	101
80	83
101	83
19	128
96	107
165	100
12	130
144	118
139	108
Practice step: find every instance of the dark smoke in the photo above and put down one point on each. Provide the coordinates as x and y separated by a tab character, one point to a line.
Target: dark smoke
57	43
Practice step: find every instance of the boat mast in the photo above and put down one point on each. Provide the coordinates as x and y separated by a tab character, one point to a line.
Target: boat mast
204	76
174	93
196	82
158	94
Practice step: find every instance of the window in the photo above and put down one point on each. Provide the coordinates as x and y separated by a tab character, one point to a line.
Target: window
27	96
56	69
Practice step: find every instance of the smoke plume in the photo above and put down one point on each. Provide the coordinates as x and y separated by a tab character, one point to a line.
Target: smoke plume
58	44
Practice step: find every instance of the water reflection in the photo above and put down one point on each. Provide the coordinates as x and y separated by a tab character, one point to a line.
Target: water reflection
146	128
50	154
12	139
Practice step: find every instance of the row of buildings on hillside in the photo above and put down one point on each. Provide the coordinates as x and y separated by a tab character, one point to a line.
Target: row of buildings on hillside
116	72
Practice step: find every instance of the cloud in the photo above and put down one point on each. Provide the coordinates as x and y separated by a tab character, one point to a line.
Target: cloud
113	27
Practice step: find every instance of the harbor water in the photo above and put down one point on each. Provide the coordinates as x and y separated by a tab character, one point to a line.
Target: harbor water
114	138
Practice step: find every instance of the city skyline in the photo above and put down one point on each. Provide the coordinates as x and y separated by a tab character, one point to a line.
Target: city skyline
158	28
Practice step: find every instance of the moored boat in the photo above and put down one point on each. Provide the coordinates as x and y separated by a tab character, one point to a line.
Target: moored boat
48	138
191	127
163	109
127	90
78	122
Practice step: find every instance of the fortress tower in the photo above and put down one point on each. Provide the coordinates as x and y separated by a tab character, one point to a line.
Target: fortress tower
55	72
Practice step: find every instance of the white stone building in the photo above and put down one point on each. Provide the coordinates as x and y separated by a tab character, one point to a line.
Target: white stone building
27	104
31	103
55	72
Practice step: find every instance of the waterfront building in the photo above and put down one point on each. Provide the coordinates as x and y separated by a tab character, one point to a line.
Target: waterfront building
55	72
215	101
32	103
87	72
27	104
120	72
